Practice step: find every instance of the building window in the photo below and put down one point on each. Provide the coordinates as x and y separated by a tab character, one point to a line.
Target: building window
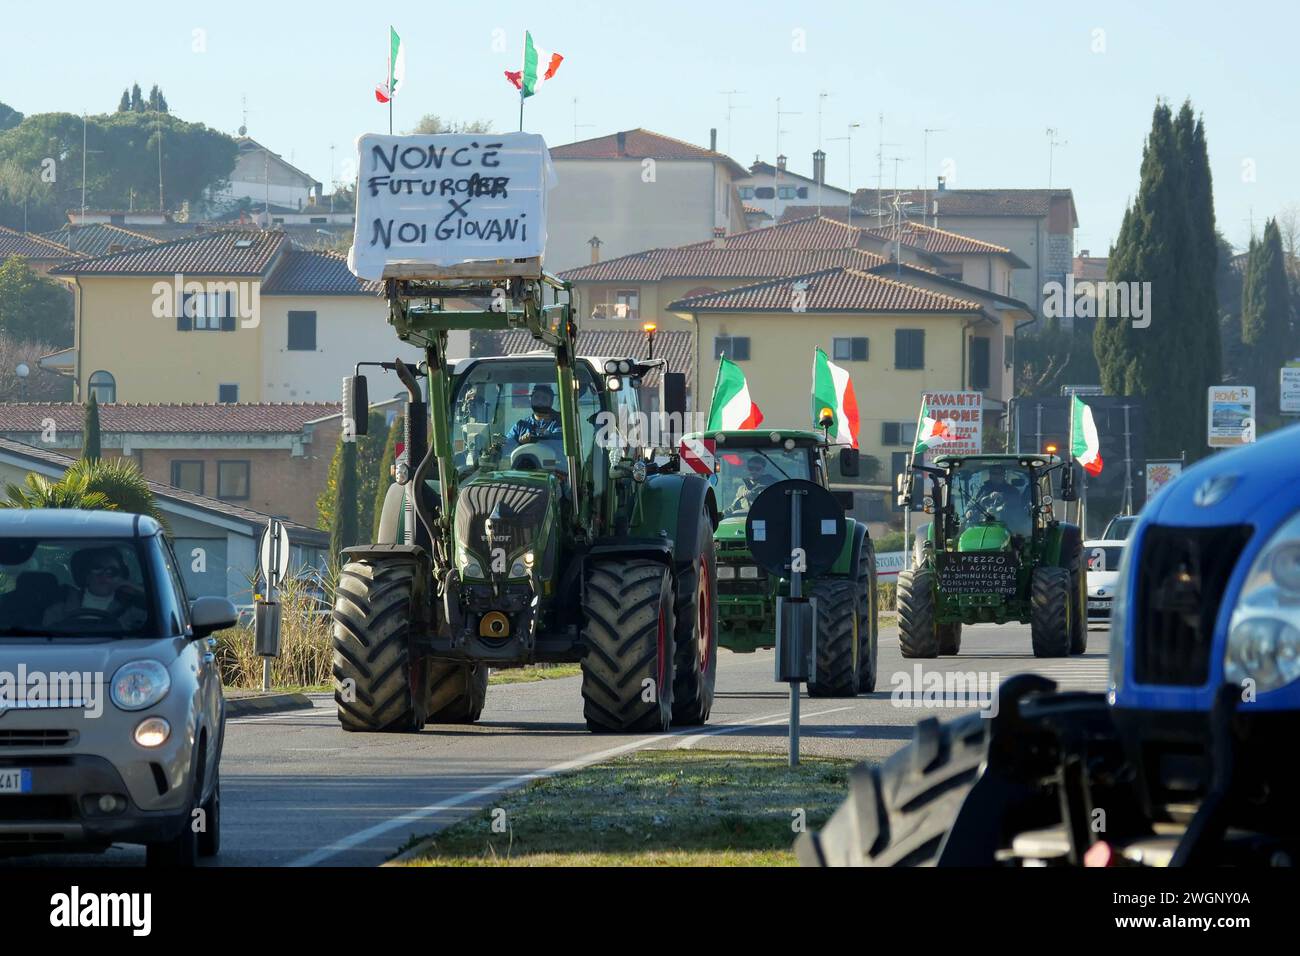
734	347
898	433
786	192
1008	350
802	192
909	348
206	312
746	192
233	480
849	349
103	386
764	192
227	394
627	304
302	331
979	362
188	476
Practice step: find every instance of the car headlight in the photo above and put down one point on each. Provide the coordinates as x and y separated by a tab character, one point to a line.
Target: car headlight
1264	631
1119	621
726	573
140	684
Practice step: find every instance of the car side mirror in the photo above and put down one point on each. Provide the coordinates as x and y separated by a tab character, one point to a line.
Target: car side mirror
849	462
356	406
211	613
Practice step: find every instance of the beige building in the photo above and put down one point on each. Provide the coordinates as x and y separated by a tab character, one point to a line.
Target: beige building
637	190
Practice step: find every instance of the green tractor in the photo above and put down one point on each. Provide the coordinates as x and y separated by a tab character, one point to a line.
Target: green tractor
528	523
994	553
743	463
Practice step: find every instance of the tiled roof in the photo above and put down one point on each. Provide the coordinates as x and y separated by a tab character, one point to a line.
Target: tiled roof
298	533
642	144
30	246
676	347
815	232
974	202
940	241
316	273
188	418
98	238
218	253
904	271
831	290
696	262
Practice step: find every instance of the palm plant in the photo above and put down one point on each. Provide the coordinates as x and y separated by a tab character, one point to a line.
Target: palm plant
113	484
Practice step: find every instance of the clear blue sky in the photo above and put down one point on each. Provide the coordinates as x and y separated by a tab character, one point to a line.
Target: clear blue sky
993	77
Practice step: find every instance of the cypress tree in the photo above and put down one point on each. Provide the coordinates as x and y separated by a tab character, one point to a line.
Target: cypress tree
343	528
1265	318
124	104
137	99
90	450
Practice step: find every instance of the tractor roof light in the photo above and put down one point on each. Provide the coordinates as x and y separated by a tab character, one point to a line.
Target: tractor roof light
613	383
826	418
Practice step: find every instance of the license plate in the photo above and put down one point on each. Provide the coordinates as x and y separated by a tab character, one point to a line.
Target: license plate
1098	605
15	781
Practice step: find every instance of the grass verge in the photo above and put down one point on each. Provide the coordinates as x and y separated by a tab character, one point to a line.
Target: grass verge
533	672
651	808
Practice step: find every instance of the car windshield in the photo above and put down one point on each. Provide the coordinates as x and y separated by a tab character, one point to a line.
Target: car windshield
1103	557
1119	528
505	414
743	473
75	587
985	492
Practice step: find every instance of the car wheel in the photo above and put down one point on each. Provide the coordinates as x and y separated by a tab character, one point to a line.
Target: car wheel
210	838
182	850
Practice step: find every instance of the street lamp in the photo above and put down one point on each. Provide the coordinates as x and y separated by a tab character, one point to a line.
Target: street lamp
649	329
22	370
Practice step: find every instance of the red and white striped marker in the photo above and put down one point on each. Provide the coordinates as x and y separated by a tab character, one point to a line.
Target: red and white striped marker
700	454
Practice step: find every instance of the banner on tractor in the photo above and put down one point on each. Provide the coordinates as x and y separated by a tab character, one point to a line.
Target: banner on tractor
446	199
964	413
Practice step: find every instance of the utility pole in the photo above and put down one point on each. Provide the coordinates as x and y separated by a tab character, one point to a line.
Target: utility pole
83	168
731	106
897	217
161	206
880	171
821	99
1052	143
925	173
1128	464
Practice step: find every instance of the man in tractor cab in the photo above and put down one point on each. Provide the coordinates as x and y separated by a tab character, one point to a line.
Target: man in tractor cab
997	483
751	485
543	423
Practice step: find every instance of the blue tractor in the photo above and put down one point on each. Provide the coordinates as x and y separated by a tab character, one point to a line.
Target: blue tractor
1187	760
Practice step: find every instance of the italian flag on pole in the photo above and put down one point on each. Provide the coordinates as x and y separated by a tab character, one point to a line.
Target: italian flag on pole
930	431
1084	443
832	388
539	66
396	68
732	407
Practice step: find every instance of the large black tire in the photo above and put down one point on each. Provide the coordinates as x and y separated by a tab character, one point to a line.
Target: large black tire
695	634
372	608
838	631
868	619
1079	594
629	641
1049	616
458	692
949	638
917	634
898	813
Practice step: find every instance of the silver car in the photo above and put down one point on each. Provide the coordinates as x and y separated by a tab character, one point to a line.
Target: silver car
111	712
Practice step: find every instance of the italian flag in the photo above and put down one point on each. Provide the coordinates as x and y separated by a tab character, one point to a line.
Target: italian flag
732	407
396	68
539	66
930	431
832	388
1084	443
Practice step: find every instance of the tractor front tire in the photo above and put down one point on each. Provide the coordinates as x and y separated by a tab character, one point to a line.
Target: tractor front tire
1079	594
457	692
950	638
1051	607
868	619
838	638
917	634
627	671
378	684
695	634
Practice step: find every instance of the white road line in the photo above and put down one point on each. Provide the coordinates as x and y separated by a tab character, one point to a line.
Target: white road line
354	840
688	743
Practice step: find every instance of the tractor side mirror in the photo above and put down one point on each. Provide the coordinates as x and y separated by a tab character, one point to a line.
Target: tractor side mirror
1069	492
849	462
356	405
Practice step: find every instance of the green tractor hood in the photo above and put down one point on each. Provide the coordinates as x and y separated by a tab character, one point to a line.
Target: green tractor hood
510	515
731	530
985	537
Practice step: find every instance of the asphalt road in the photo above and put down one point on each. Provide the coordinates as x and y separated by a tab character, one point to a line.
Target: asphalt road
298	791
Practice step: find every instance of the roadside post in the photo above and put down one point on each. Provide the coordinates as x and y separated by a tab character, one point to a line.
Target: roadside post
273	551
795	528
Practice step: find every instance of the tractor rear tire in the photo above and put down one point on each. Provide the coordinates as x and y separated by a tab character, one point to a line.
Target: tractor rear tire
695	634
1079	595
917	633
898	813
627	671
1050	610
457	692
838	638
950	638
377	684
868	619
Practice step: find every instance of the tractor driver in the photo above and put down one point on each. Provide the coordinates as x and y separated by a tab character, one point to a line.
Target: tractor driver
752	485
543	423
997	483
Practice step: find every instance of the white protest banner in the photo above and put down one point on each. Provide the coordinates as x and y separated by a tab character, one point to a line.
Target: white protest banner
965	412
448	198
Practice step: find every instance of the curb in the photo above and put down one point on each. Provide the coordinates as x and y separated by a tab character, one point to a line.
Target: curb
266	704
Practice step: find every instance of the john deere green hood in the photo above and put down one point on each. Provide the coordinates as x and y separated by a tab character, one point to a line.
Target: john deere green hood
984	537
731	529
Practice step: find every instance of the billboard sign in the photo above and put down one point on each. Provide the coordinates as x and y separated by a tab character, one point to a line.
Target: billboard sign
1231	418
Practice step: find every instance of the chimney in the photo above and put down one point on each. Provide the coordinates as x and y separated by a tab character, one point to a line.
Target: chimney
713	140
1083	253
719	237
819	168
595	244
943	183
780	163
622	143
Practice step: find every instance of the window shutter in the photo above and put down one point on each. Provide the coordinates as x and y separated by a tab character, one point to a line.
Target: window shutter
183	321
228	314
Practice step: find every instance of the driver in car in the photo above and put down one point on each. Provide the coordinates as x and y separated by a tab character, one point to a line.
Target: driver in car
543	423
103	589
752	485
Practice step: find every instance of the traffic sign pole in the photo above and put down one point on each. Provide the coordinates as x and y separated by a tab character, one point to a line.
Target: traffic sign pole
796	594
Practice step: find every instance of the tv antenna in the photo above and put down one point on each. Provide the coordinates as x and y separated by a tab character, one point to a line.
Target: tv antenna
730	107
1052	143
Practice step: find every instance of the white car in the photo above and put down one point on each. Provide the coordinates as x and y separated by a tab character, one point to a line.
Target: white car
1102	556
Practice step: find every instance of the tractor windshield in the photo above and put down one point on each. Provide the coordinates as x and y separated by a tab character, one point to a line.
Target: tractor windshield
993	492
743	473
505	415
